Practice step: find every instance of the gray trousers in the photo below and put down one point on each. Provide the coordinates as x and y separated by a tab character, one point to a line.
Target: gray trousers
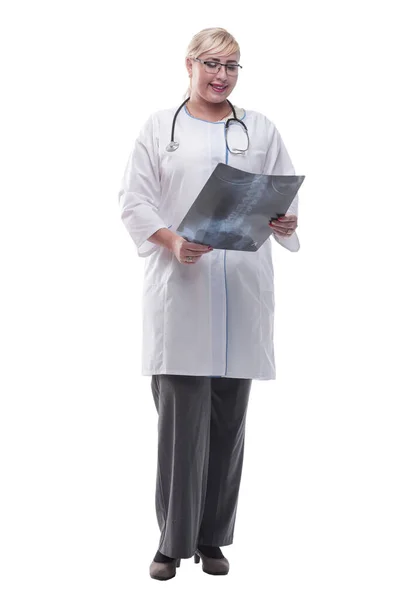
201	431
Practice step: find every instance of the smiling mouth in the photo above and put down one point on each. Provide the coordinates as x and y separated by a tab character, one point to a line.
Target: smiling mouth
219	88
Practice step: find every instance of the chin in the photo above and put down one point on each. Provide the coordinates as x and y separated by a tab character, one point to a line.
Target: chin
212	97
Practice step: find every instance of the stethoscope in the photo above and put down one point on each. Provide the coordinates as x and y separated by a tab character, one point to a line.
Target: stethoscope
172	146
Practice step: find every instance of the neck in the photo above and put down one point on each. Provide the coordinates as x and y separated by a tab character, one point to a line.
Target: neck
214	111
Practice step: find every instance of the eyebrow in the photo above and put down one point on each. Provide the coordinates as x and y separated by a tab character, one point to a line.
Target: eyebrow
219	60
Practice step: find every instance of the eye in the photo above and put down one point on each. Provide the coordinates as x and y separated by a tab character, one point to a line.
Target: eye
232	68
211	64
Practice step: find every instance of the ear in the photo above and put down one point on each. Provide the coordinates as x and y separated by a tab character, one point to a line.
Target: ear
189	66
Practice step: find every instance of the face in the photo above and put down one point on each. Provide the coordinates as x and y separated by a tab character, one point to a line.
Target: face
212	87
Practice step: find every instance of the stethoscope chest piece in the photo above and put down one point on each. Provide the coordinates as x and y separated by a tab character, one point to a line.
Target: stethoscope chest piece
172	146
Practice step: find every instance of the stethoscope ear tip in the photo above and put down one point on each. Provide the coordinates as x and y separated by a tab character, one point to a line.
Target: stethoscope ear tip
172	146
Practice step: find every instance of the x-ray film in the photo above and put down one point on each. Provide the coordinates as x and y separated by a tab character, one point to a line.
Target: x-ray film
233	210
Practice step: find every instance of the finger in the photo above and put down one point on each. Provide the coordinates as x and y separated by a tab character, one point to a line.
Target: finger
292	224
185	254
197	253
287	219
276	225
194	246
282	230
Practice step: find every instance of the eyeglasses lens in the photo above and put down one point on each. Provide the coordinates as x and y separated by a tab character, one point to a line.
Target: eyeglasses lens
212	67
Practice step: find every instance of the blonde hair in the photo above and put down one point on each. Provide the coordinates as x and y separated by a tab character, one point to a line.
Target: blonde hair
219	40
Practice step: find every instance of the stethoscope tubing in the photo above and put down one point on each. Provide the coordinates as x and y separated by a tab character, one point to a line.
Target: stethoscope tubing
174	145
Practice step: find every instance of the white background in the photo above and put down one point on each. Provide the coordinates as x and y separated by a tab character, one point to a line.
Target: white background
318	514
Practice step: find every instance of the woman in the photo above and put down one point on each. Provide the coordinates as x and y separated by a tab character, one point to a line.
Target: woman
207	313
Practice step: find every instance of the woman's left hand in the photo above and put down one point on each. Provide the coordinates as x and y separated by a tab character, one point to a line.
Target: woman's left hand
284	226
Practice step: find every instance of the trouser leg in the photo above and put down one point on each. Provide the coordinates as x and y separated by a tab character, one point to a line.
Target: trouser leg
229	402
183	404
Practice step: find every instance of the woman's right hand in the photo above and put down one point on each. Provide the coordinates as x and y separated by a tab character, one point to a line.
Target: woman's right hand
182	249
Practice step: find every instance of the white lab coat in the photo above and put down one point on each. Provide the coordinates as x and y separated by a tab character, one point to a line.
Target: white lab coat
214	318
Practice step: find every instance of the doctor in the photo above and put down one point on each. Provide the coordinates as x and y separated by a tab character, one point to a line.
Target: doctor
208	314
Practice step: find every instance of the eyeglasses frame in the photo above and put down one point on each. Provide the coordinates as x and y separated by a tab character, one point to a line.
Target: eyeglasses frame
204	62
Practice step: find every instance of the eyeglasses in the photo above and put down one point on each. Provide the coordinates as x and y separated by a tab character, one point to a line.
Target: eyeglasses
212	66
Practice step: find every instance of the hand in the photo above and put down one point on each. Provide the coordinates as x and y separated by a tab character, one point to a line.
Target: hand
182	249
284	226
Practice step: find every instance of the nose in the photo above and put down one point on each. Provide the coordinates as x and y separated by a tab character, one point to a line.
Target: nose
222	73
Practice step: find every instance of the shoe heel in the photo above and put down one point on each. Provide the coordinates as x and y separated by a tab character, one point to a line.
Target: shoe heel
178	562
196	558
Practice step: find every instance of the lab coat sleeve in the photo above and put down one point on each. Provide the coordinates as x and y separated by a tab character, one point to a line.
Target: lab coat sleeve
140	194
278	163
